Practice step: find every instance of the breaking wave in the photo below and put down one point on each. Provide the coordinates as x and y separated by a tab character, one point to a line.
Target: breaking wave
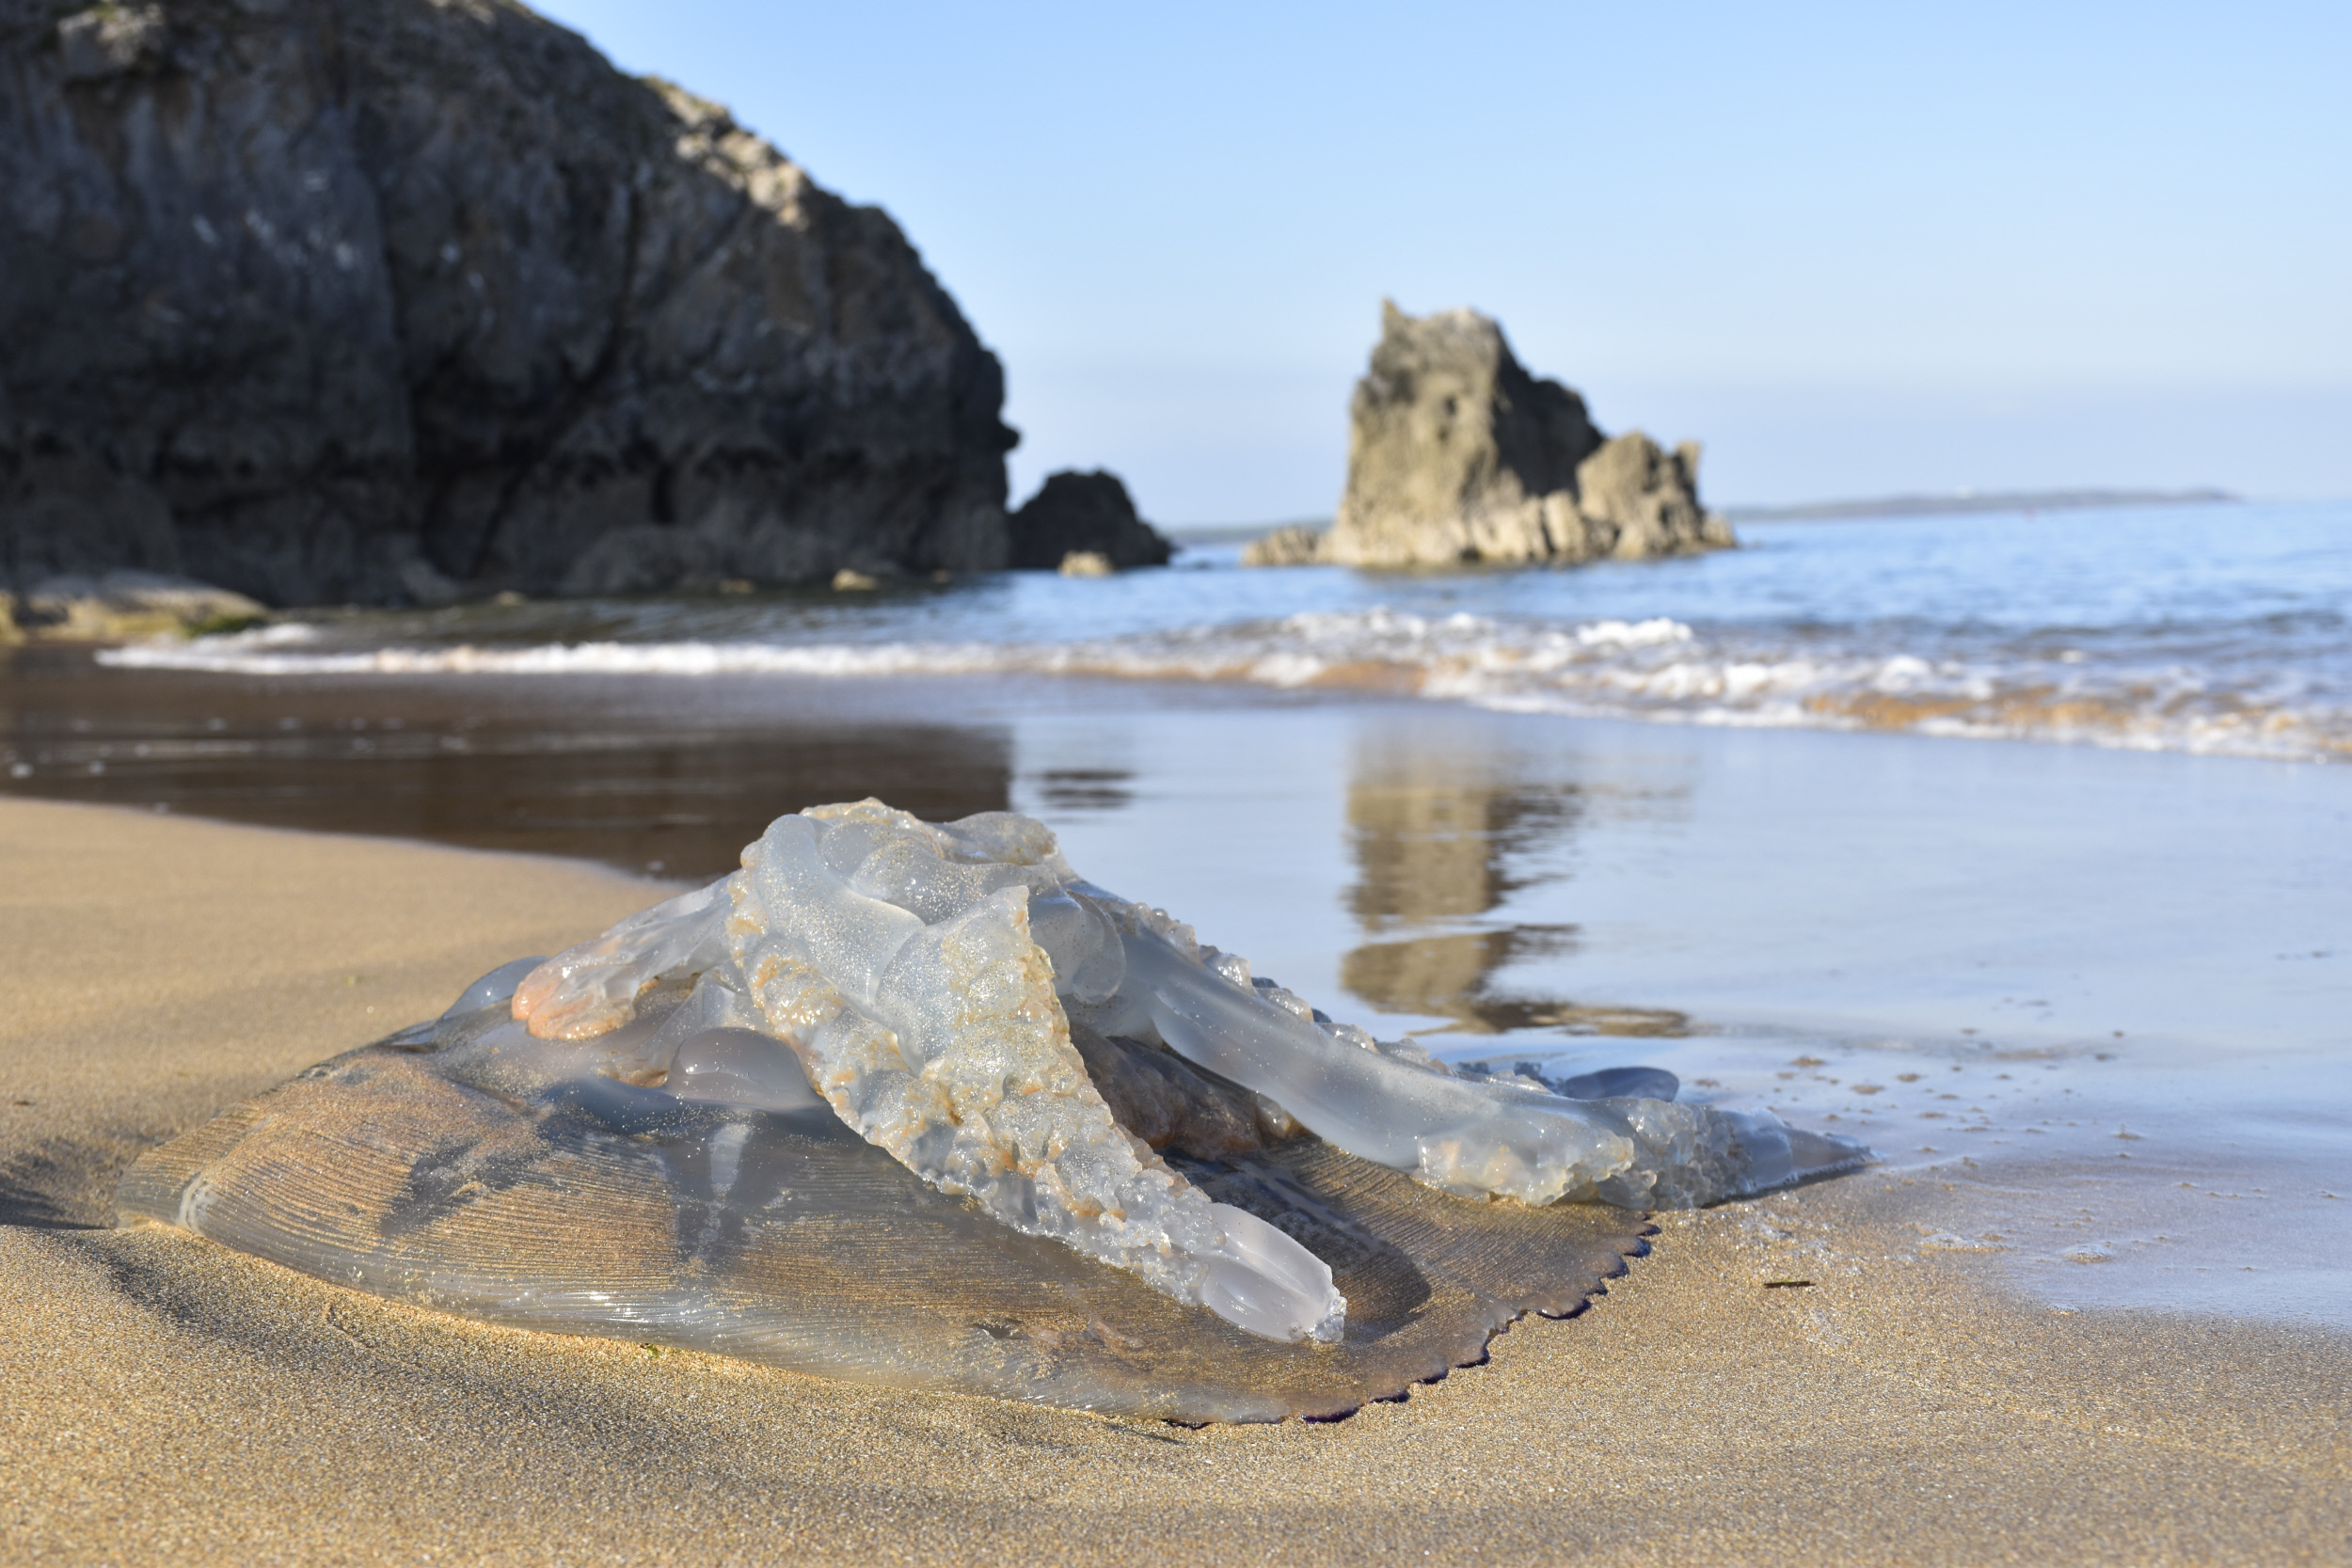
1657	669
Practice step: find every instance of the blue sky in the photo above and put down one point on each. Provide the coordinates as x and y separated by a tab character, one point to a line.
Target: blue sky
1855	249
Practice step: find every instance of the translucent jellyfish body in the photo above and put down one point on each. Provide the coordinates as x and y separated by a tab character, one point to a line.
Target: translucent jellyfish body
930	1052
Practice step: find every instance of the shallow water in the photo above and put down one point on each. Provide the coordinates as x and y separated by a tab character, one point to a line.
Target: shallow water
2224	628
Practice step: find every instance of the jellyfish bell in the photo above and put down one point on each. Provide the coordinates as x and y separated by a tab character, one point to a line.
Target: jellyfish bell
915	1104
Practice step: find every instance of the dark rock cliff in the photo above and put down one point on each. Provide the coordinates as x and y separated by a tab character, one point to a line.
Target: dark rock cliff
393	299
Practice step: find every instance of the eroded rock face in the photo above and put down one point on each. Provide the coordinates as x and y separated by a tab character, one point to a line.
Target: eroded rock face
1456	455
388	300
1084	514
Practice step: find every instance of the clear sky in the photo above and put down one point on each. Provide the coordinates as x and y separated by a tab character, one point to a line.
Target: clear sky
1854	248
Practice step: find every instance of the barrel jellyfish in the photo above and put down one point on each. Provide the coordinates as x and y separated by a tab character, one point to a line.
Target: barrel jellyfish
916	1105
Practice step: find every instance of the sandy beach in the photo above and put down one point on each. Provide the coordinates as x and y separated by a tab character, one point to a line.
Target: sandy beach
822	785
171	1400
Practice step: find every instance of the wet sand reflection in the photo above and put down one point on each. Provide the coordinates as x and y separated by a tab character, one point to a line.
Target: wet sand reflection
645	775
1441	840
1458	844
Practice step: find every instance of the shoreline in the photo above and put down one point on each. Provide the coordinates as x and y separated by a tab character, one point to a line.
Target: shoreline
203	1406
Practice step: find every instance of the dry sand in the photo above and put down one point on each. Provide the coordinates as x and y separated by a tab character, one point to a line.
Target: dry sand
167	1399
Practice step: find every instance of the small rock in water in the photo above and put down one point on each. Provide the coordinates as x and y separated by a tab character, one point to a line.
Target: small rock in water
1075	513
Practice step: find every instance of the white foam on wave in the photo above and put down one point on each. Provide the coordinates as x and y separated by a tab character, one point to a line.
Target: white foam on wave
1657	669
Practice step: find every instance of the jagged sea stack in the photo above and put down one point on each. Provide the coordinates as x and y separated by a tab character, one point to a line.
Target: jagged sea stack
379	300
1458	456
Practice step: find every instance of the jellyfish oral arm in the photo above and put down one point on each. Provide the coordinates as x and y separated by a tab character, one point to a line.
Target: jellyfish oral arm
1472	1138
1466	1138
941	1042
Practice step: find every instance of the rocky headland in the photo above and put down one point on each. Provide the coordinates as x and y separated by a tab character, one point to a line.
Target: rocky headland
390	301
1458	456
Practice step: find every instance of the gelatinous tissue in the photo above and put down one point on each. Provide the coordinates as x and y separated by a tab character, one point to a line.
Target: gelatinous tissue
932	984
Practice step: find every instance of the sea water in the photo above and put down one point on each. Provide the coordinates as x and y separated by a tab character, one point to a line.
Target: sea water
2223	629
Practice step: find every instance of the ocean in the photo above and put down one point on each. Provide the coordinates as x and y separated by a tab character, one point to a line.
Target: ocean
2214	629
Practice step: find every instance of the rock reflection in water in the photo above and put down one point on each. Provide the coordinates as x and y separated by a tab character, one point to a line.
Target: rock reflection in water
1436	845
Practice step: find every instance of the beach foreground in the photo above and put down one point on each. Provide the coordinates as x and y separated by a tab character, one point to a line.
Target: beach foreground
171	1400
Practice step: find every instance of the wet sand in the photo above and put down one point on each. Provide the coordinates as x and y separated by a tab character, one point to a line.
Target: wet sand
662	776
171	1400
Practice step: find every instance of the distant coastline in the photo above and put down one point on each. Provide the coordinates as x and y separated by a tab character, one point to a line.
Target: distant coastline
1234	534
1956	502
1974	500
